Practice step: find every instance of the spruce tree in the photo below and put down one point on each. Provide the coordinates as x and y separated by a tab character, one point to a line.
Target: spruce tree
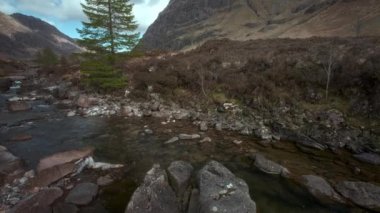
110	26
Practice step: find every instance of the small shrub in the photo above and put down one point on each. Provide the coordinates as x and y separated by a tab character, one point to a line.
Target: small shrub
99	74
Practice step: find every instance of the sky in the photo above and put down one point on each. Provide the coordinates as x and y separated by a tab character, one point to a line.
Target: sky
67	15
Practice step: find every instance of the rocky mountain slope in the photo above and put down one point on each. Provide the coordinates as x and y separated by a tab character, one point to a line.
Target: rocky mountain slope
185	24
22	36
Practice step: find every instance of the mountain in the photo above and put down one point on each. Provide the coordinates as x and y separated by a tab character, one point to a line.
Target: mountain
184	24
23	36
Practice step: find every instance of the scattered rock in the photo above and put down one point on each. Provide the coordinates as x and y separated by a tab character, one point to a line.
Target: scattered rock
188	136
82	194
203	126
237	142
154	195
17	106
104	180
264	133
206	139
246	131
38	202
363	194
269	166
371	158
9	164
148	131
65	208
172	140
222	191
179	175
181	115
218	126
321	189
71	114
96	208
83	101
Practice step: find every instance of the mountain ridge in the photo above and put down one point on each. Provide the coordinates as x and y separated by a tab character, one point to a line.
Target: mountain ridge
186	24
22	36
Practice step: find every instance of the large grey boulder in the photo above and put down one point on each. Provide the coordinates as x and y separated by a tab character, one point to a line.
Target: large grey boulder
82	194
39	202
221	191
321	189
363	194
155	194
179	175
268	166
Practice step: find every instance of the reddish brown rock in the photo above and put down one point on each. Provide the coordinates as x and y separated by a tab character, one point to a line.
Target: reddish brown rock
17	106
39	202
57	166
63	157
10	166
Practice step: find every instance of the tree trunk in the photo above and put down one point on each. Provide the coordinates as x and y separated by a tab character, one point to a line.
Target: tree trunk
110	27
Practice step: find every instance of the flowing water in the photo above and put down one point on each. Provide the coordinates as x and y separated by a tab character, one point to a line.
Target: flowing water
120	140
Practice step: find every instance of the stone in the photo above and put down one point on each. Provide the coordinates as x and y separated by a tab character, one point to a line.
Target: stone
181	115
172	140
206	139
179	173
221	190
371	158
9	164
203	126
104	180
63	157
246	131
18	106
268	166
363	194
154	195
82	194
148	131
71	114
57	166
321	189
218	126
65	208
83	101
38	202
264	133
188	136
237	142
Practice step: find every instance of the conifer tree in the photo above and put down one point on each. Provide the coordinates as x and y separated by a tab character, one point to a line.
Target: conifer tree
110	27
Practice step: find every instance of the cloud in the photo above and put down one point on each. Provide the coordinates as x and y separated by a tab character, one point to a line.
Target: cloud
7	7
145	11
59	9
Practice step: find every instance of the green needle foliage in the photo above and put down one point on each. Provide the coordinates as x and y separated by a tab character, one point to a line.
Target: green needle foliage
99	74
110	29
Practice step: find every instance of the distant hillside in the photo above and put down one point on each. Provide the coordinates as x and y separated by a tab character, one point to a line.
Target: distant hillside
22	36
185	24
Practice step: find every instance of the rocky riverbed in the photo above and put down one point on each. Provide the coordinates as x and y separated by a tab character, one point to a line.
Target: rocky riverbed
45	129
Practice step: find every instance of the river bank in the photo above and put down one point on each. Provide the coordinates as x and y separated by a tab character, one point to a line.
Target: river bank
52	119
